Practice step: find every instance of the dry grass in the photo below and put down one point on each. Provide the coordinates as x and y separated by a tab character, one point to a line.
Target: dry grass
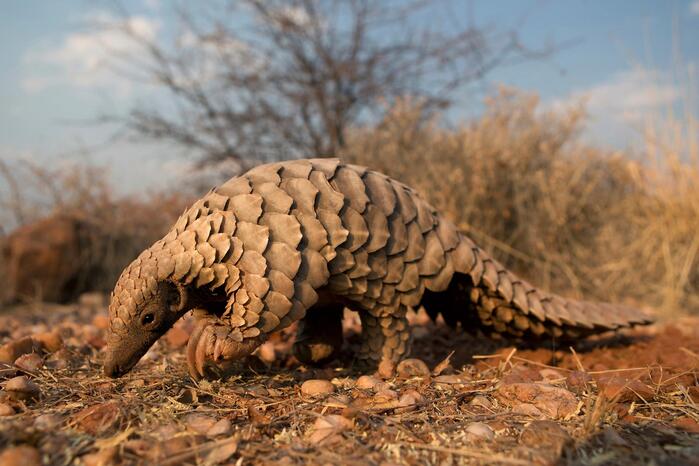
570	217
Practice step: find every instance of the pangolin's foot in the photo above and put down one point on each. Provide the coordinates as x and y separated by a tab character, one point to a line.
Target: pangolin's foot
215	341
319	335
385	341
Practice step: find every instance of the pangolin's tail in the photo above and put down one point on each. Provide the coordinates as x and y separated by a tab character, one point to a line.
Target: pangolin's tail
492	299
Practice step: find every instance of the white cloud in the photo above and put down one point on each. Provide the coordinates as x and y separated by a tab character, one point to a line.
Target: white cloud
694	7
152	4
618	107
82	59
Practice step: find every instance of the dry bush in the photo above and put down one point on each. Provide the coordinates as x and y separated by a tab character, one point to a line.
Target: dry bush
569	217
112	229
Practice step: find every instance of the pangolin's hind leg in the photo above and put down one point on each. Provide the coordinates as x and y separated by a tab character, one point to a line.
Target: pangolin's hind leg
385	339
319	334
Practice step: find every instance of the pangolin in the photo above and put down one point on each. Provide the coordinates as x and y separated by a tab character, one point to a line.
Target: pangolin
301	240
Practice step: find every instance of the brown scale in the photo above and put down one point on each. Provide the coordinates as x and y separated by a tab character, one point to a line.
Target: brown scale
299	240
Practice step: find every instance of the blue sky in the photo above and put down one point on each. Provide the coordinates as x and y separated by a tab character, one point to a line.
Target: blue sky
627	58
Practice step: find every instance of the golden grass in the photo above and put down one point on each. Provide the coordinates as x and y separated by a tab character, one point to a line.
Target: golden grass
568	216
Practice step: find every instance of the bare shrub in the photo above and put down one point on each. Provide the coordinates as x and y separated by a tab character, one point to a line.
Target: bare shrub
254	80
567	216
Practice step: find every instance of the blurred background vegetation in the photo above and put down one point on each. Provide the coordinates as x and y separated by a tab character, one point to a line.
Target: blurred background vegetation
248	81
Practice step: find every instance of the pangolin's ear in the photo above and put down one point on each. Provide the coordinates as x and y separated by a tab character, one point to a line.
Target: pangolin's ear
175	295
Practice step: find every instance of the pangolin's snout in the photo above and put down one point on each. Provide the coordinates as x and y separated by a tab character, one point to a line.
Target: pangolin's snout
112	369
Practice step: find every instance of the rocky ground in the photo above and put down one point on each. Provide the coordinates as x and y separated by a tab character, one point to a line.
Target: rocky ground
631	398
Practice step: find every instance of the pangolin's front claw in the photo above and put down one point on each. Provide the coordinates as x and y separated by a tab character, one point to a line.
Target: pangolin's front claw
192	348
204	346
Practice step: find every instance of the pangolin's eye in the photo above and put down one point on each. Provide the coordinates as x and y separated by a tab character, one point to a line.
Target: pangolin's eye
148	318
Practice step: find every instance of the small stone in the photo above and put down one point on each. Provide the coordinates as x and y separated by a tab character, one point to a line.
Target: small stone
61	359
49	341
551	374
98	419
101	321
409	400
449	382
338	401
412	367
547	435
221	427
687	424
326	428
103	457
383	396
480	400
21	388
199	423
521	374
223	451
22	455
47	421
577	381
317	387
552	401
10	351
367	382
6	410
177	337
29	362
525	409
621	389
480	431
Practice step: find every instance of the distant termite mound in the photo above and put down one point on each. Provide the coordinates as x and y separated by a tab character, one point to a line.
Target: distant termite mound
52	259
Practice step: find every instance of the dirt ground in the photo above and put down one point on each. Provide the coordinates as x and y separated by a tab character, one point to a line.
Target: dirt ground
630	398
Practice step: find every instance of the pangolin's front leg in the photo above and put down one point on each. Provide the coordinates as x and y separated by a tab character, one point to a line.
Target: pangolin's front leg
385	340
319	334
215	340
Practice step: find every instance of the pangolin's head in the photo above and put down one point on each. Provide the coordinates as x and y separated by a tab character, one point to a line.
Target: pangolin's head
141	310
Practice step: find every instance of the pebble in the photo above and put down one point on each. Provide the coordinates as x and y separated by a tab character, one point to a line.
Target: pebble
98	419
221	427
553	402
621	389
577	381
449	382
328	426
29	362
199	423
22	455
222	452
409	400
480	400
480	430
367	382
551	374
10	351
102	457
548	435
47	421
49	341
6	410
412	367
317	387
21	388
